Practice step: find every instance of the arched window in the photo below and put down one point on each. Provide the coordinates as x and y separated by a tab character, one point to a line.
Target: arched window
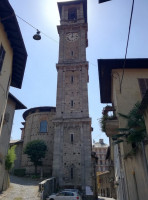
43	126
72	14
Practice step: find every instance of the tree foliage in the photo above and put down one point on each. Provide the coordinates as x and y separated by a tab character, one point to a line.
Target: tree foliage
10	158
135	132
105	117
36	150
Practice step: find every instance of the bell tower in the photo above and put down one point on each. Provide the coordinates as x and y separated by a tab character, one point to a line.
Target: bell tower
72	140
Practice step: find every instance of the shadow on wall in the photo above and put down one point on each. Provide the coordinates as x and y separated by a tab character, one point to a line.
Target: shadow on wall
23	180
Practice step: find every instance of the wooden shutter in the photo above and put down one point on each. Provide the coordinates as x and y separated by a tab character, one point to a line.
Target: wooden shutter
143	84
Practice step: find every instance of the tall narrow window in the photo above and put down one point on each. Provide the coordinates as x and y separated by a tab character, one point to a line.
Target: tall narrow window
71	79
2	56
71	172
71	137
143	84
43	126
71	103
72	14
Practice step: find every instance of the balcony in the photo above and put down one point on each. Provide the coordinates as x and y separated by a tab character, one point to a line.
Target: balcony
111	127
109	121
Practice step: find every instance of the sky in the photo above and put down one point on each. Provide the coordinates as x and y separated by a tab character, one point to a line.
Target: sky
107	35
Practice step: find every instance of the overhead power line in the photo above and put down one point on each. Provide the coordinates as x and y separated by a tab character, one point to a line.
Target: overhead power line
127	46
37	29
10	16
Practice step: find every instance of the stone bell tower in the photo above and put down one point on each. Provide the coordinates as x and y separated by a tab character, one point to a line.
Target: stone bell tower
72	140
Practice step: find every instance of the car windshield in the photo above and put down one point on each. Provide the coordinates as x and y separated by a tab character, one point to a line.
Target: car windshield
69	194
73	190
61	194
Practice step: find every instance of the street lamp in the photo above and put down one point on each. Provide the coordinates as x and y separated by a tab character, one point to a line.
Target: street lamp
37	35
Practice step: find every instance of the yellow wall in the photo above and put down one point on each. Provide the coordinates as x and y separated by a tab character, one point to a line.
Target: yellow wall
130	89
6	71
136	174
4	142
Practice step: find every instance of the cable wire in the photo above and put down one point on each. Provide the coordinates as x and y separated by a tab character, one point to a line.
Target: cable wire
26	22
126	47
37	29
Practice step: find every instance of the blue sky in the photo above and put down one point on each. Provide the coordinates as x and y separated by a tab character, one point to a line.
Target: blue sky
107	35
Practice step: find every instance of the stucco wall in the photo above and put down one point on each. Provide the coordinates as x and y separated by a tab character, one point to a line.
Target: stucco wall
4	140
134	167
5	73
123	102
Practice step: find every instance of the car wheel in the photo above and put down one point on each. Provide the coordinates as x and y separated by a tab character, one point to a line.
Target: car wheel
51	199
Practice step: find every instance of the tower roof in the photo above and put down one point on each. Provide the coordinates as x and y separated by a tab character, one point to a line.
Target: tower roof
60	4
38	109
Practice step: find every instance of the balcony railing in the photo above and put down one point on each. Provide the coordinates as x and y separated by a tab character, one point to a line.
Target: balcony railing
110	122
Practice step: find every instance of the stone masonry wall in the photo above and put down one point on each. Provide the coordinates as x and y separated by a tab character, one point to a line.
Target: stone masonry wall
32	132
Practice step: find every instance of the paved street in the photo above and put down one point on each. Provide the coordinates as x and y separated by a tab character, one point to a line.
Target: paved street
21	189
26	189
104	198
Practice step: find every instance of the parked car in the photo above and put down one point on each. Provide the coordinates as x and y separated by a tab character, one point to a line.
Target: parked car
73	190
65	195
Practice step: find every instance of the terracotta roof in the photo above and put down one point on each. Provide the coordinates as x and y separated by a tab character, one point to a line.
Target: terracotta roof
105	67
9	21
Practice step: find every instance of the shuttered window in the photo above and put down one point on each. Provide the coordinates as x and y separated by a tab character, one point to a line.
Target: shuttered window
43	126
143	84
2	56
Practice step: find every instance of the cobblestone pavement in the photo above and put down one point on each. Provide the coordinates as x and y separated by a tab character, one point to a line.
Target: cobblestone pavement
21	189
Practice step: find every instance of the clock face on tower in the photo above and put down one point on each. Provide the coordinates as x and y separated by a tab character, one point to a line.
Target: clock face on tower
71	37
